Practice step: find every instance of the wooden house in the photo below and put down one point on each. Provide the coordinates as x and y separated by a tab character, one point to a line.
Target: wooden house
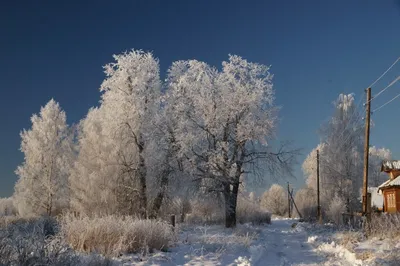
391	188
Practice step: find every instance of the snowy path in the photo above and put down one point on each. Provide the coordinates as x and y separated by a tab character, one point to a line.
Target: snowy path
277	244
280	244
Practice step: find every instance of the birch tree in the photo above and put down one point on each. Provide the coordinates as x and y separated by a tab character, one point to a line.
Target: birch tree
130	96
224	122
48	153
94	175
341	152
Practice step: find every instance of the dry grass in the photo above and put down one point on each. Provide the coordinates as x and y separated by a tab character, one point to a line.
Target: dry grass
366	255
350	239
114	235
12	220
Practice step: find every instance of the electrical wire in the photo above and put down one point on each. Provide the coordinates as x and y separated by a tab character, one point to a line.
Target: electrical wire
394	98
384	73
387	87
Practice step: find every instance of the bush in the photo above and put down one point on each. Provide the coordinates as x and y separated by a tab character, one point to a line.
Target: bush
114	235
206	211
34	242
249	211
179	206
336	209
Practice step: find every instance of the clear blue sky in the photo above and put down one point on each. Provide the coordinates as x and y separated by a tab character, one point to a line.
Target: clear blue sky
317	50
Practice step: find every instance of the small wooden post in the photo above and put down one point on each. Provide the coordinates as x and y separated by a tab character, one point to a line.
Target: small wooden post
173	220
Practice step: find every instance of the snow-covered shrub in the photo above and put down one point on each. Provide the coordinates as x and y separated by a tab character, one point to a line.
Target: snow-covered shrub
306	201
35	241
349	239
179	206
274	200
335	210
385	225
7	207
210	211
206	210
113	235
249	211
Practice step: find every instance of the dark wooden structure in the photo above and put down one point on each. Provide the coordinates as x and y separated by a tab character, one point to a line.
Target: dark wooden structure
391	188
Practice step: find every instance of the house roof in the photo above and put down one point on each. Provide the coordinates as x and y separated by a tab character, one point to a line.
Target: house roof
390	183
388	166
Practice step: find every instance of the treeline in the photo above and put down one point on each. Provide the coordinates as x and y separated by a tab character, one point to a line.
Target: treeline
152	143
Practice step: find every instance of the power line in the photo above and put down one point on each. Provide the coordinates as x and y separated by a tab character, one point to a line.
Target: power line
387	87
384	73
398	95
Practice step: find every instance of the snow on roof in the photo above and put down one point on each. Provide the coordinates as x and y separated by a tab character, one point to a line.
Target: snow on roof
390	165
390	183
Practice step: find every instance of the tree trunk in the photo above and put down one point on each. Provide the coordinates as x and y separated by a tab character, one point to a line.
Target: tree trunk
230	204
160	196
143	187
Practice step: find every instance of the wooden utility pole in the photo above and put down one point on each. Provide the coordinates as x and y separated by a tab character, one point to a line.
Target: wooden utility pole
294	203
366	152
319	216
288	197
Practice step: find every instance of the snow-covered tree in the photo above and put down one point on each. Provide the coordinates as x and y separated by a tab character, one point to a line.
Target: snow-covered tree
93	178
336	208
224	120
340	154
306	201
376	156
275	200
43	177
130	99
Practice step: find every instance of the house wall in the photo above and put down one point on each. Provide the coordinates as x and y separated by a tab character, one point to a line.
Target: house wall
391	200
398	200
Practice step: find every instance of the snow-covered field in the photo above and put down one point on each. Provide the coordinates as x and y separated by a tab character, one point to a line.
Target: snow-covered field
284	242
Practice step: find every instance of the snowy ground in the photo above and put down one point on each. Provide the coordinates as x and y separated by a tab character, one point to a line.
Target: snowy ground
279	243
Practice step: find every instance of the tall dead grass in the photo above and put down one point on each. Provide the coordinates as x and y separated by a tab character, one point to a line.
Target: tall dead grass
115	235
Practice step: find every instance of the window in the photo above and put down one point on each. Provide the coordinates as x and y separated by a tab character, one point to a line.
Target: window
391	200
